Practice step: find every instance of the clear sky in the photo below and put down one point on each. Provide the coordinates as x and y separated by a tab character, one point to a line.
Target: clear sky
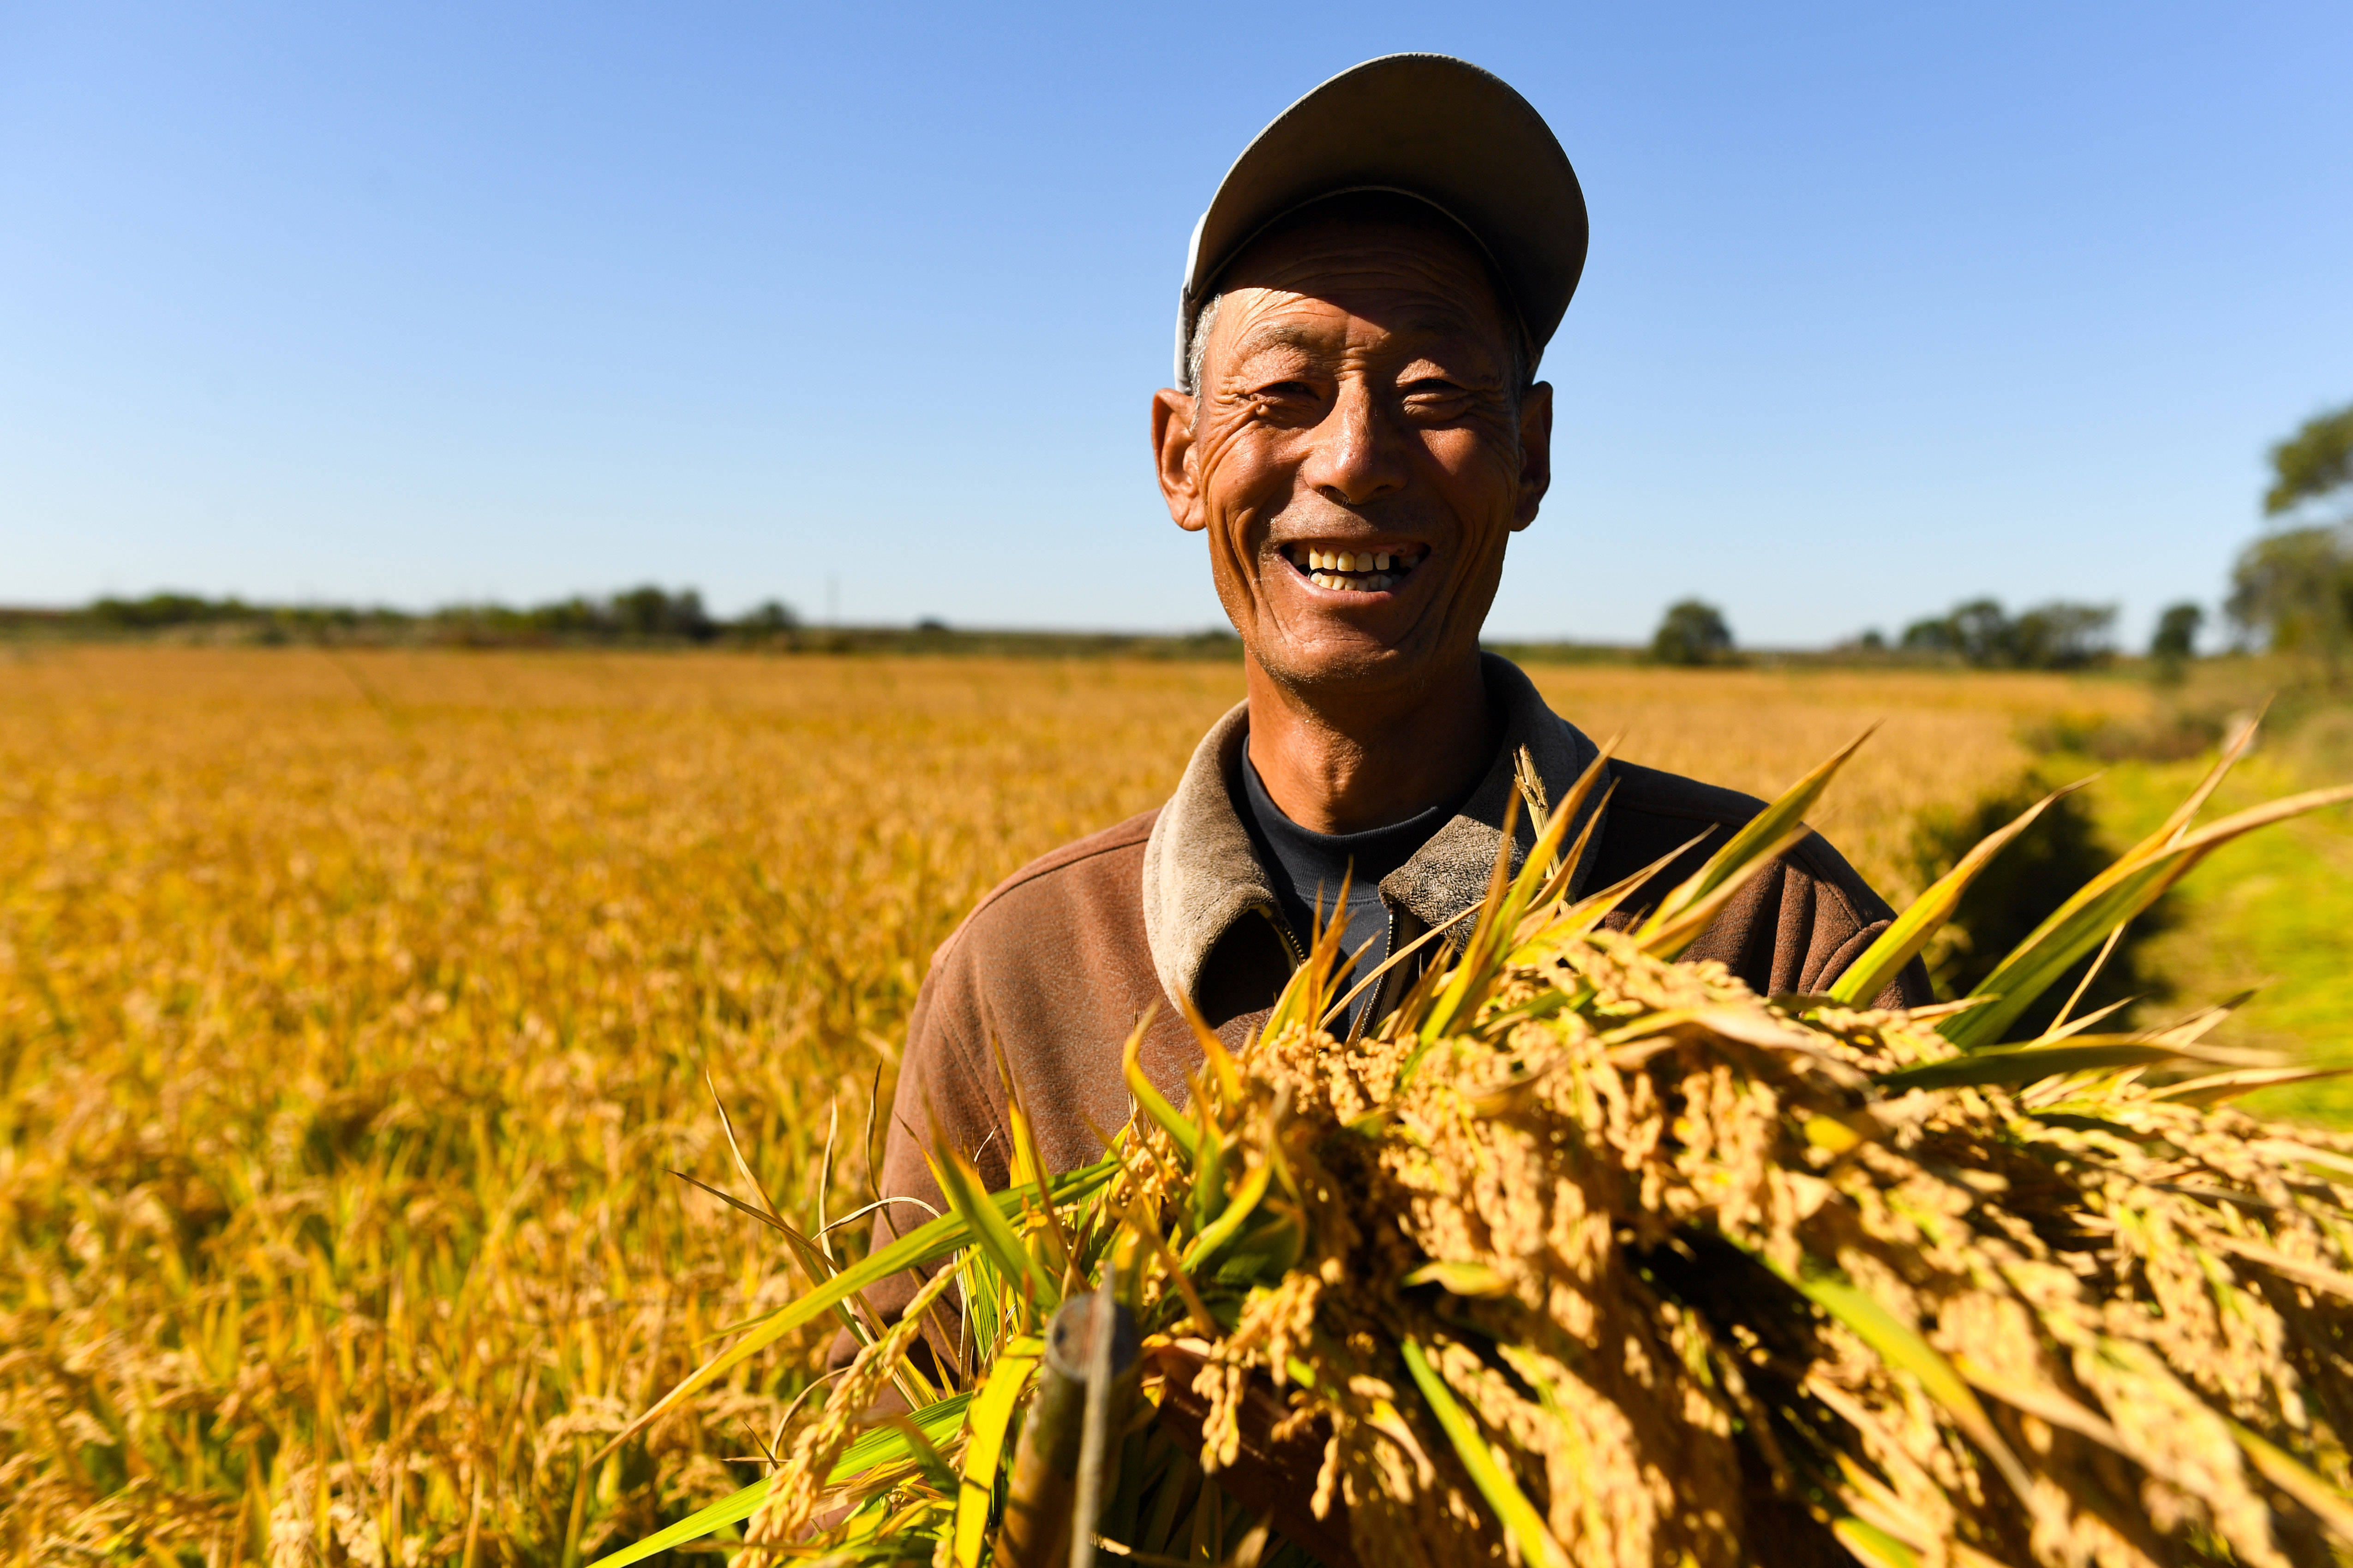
1888	305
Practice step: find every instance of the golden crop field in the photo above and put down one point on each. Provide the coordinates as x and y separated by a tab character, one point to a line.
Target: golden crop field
355	1009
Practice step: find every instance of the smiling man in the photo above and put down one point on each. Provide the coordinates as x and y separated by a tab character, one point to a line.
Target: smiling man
1356	436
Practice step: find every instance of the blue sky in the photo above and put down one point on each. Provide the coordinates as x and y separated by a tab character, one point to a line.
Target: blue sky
1888	305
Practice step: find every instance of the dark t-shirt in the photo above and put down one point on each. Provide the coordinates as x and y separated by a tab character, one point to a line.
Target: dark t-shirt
1310	867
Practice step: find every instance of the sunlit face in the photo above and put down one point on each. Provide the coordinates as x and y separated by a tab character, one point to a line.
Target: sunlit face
1356	452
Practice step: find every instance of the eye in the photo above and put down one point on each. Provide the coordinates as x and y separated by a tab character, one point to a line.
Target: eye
1433	392
1287	404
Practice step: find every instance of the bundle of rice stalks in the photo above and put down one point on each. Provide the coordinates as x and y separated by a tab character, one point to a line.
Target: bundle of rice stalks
1585	1256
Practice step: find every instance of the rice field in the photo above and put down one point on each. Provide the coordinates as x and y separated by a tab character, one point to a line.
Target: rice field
355	1009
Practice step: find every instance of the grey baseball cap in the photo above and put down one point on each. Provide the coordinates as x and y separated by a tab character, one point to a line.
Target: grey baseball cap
1428	126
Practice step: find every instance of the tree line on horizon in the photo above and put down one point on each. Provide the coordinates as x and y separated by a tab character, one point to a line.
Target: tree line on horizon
649	613
650	617
2290	591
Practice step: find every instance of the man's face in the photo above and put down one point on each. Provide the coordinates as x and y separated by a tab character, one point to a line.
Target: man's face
1354	452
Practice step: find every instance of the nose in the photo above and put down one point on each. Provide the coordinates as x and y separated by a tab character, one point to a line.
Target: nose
1357	456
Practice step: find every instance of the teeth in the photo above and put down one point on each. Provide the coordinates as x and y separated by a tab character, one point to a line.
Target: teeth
1362	571
1315	561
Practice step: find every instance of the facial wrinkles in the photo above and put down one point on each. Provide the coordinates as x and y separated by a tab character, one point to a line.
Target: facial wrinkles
1361	451
1333	285
1355	384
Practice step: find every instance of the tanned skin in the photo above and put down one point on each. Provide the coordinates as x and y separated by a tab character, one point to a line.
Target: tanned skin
1356	394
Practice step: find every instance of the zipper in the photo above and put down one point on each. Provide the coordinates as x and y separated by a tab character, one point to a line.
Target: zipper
1297	953
1404	928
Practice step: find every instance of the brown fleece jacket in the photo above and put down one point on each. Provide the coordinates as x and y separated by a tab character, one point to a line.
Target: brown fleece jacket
1061	960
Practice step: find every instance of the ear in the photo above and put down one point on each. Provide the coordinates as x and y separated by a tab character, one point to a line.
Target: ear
1172	455
1535	453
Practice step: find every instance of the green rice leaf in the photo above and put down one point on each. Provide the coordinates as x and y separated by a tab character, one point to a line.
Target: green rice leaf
1900	1346
2108	900
1029	1168
1873	1545
1669	938
991	1227
2222	1087
1487	1472
928	1459
2176	823
1152	1103
1560	869
984	1444
927	1244
728	1510
1237	1213
2283	1470
1302	998
1461	1279
937	1422
2026	1064
1901	942
1757	843
1466	981
1590	911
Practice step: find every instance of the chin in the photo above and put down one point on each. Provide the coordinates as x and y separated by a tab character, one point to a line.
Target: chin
1339	663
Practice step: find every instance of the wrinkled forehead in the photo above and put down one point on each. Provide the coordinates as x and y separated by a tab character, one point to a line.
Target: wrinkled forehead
1372	254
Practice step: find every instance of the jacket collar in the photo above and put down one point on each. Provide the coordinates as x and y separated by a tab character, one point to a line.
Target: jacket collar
1201	874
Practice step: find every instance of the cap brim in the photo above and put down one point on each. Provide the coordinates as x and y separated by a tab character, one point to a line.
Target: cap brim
1429	126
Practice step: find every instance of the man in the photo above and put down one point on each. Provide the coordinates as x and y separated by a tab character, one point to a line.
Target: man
1356	433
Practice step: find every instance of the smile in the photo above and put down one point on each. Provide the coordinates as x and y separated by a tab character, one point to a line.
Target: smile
1355	572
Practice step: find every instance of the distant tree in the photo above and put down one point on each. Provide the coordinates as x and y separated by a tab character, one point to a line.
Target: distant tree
649	612
574	616
2175	643
1982	634
931	623
1873	640
1933	633
2061	635
774	615
1692	633
2291	590
2177	633
2314	462
688	619
167	610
